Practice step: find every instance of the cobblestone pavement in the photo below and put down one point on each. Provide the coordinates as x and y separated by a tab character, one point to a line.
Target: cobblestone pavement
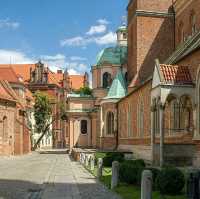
48	176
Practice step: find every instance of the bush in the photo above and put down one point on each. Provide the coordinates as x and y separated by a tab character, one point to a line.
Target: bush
170	181
155	174
112	156
130	171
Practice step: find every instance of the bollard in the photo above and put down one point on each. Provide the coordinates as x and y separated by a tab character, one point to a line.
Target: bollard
193	185
146	185
99	168
80	158
92	163
115	174
87	160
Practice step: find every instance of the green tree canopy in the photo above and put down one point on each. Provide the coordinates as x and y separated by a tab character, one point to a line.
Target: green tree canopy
84	91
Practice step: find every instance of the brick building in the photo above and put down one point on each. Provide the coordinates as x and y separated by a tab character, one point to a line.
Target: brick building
163	94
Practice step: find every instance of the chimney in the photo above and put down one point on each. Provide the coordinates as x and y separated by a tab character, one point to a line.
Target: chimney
59	71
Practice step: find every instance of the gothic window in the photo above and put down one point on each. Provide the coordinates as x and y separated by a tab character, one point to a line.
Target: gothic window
84	126
140	119
174	115
181	34
110	123
107	80
157	120
5	131
126	77
129	114
185	113
193	22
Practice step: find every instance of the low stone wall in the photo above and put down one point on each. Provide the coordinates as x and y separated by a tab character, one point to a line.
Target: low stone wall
75	152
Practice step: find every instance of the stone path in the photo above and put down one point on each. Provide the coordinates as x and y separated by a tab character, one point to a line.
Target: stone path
48	176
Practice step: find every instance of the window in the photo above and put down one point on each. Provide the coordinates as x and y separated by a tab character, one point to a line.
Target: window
157	120
124	35
129	118
110	123
107	80
181	34
174	115
140	119
84	126
193	22
5	131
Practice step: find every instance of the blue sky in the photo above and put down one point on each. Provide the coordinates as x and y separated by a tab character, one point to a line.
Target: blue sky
63	33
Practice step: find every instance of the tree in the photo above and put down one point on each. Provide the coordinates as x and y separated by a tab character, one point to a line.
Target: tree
43	115
84	90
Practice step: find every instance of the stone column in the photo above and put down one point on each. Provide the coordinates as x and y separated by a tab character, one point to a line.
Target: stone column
115	174
99	168
161	112
146	185
153	133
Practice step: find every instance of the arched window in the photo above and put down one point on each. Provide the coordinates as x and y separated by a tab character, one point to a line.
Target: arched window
126	77
174	115
107	80
140	119
84	126
185	113
193	22
129	119
181	34
5	131
110	123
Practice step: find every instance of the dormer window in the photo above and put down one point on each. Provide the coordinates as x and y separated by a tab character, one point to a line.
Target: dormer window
124	35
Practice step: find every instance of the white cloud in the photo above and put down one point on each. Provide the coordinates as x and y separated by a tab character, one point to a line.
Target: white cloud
109	38
73	72
7	23
97	29
14	57
55	57
74	41
103	21
77	58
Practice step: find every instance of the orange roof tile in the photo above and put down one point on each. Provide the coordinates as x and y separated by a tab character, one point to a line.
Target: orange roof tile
22	70
4	94
76	81
7	73
176	74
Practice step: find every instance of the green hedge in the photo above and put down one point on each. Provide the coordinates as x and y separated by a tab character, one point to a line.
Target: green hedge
112	156
130	171
170	181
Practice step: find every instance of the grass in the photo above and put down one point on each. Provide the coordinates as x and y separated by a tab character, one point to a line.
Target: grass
128	191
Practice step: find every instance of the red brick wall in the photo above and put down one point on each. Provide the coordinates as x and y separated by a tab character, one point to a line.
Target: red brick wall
147	38
138	96
183	11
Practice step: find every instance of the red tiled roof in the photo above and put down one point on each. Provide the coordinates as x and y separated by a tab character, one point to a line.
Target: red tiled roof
76	81
176	74
4	93
7	73
22	70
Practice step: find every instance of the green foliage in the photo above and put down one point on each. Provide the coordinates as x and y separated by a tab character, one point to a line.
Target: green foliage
155	174
130	171
42	111
84	91
170	181
112	156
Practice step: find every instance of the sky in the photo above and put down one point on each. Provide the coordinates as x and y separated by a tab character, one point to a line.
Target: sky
65	34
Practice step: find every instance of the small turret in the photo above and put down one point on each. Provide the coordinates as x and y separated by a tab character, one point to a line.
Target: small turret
122	36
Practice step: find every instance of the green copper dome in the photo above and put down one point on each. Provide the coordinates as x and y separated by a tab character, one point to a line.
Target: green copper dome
118	88
112	56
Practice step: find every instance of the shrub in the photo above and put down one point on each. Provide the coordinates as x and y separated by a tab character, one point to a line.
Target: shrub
112	156
130	171
155	174
170	181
